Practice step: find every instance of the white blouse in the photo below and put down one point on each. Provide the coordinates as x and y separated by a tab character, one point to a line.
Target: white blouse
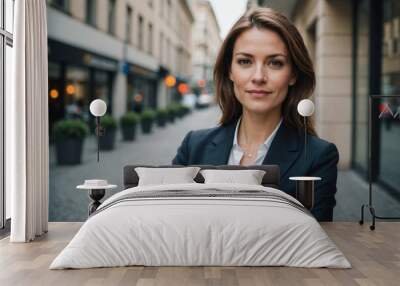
237	152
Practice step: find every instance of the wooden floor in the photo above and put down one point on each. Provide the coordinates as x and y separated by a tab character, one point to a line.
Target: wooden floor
375	257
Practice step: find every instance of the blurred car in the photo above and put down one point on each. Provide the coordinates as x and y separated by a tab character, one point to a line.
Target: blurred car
189	100
204	100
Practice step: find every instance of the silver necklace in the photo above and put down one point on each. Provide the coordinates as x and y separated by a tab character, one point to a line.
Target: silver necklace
245	152
248	154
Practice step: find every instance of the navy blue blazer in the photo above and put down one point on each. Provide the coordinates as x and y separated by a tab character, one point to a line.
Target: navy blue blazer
212	147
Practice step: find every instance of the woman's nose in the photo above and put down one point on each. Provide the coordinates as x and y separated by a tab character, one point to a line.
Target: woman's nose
259	75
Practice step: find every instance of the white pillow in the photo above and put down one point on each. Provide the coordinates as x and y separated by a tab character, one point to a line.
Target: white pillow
249	177
163	176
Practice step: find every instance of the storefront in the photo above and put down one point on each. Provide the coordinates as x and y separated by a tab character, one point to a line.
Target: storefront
377	71
141	88
76	77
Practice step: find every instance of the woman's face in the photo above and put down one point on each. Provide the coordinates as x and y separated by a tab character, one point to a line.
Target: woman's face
261	70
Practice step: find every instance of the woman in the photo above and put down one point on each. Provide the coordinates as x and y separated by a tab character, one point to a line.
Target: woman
262	72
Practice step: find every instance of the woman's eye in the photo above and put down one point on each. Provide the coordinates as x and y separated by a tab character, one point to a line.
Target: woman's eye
243	61
276	63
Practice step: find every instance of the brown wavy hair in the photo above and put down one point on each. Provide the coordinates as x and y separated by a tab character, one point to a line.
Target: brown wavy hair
266	18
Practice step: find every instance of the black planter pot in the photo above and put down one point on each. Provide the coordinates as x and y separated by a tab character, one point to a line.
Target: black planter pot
129	132
171	117
146	125
107	141
69	151
161	121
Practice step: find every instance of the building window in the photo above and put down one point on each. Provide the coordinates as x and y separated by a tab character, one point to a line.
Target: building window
77	89
6	44
62	5
56	95
376	71
178	53
111	17
103	86
150	43
128	31
161	7
361	92
91	12
168	57
389	129
169	11
140	32
161	48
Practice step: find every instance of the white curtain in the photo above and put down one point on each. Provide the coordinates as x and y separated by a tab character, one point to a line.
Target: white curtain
27	124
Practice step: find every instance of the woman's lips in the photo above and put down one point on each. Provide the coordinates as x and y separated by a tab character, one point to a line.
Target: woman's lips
259	93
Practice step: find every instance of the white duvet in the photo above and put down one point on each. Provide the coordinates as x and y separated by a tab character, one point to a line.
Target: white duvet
200	231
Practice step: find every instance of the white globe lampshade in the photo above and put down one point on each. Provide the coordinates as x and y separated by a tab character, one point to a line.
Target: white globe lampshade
305	107
98	107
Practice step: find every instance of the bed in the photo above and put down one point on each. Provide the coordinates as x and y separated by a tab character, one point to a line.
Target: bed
201	224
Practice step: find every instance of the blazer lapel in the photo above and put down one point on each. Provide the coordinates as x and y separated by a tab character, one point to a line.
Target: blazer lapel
285	148
220	147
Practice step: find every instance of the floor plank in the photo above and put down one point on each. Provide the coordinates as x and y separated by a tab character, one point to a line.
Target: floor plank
375	257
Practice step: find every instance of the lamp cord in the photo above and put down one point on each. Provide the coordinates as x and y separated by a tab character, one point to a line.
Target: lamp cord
98	136
305	136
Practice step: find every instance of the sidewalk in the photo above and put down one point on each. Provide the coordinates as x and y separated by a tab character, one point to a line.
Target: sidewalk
352	192
159	147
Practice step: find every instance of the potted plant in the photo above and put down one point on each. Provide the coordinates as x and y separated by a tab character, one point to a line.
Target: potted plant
170	116
146	120
128	123
185	109
161	115
171	112
180	110
107	141
69	138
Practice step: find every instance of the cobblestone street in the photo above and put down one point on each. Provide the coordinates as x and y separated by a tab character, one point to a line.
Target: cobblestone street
69	204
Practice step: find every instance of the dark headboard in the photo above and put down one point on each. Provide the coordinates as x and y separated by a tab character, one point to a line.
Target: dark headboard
270	179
